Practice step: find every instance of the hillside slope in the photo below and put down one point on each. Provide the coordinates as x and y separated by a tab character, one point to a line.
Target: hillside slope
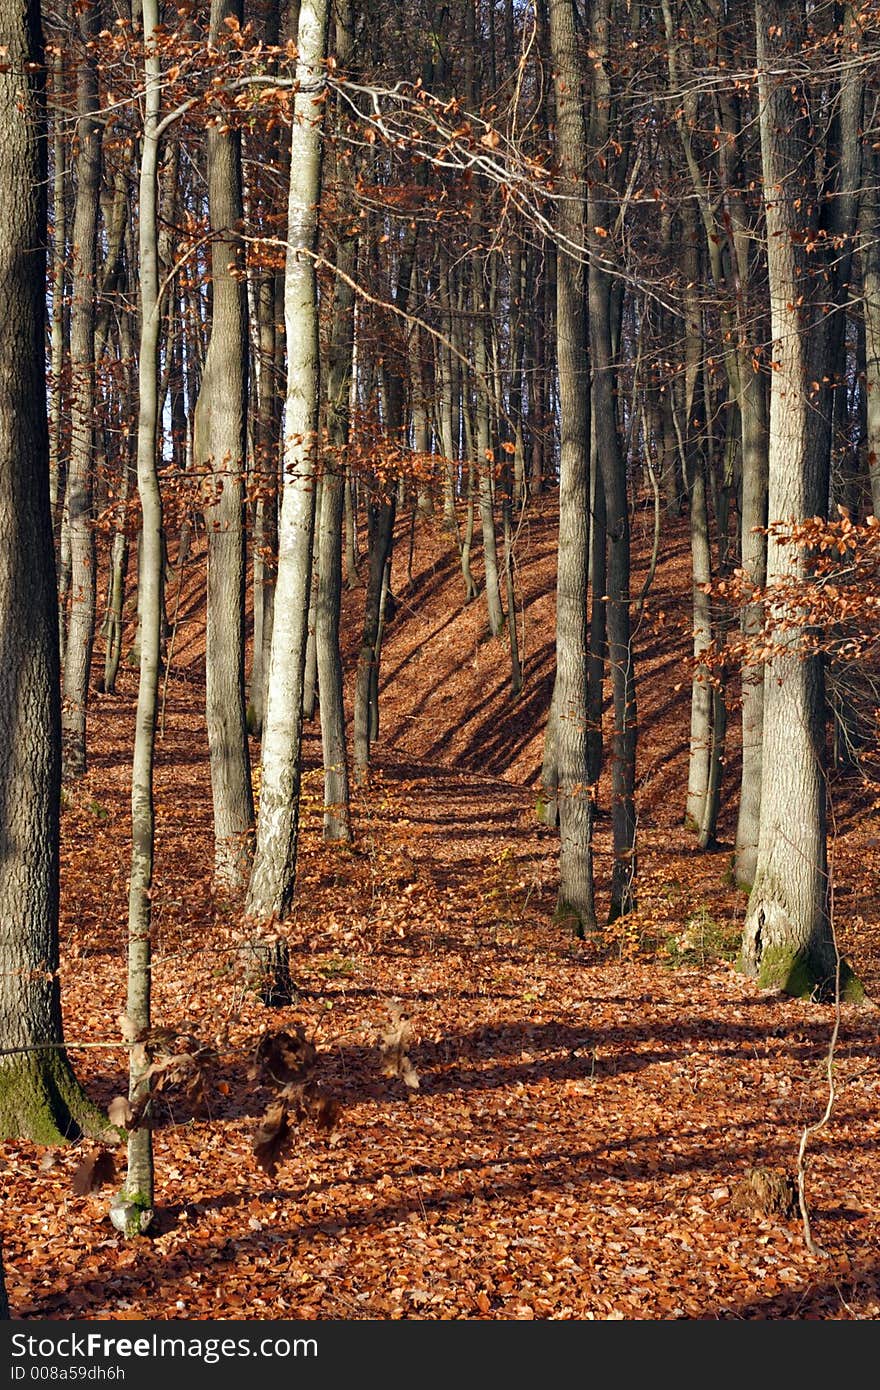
585	1112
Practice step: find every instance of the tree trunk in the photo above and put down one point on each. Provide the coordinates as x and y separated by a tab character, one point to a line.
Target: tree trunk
81	620
869	220
270	893
40	1099
132	1210
57	478
613	467
220	442
337	811
787	939
484	462
575	900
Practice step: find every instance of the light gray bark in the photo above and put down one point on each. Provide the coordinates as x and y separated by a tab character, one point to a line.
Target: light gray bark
787	941
220	441
136	1198
84	236
271	888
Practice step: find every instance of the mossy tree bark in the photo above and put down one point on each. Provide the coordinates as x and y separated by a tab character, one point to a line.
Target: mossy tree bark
40	1098
787	938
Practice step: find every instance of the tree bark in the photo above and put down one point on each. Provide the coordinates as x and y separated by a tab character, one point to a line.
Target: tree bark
40	1099
220	442
270	893
134	1207
613	466
787	939
575	904
84	234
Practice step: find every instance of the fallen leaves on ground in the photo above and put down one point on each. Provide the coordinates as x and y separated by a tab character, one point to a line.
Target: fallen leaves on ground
585	1112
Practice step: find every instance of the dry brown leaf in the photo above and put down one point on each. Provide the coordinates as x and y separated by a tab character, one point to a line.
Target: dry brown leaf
96	1170
273	1138
393	1045
283	1058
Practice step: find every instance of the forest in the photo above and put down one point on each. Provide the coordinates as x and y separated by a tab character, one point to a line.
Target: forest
440	676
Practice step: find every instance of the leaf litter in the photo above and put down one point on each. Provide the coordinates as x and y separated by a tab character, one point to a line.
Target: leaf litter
582	1118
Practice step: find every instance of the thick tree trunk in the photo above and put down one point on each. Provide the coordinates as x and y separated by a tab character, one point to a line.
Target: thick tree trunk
787	939
40	1099
575	904
220	441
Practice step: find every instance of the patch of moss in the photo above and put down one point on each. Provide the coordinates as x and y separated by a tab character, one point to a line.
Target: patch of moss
568	917
852	991
792	971
788	969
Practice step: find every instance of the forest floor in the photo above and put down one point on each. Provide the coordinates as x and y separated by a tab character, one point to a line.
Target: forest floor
585	1114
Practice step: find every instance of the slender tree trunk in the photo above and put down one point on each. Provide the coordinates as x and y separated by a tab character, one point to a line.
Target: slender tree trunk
273	877
265	509
57	471
598	601
310	675
81	621
869	220
337	814
113	624
688	428
485	464
337	811
132	1211
613	467
366	687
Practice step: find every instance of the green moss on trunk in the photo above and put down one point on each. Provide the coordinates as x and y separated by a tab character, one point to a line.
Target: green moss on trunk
572	920
41	1100
800	975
